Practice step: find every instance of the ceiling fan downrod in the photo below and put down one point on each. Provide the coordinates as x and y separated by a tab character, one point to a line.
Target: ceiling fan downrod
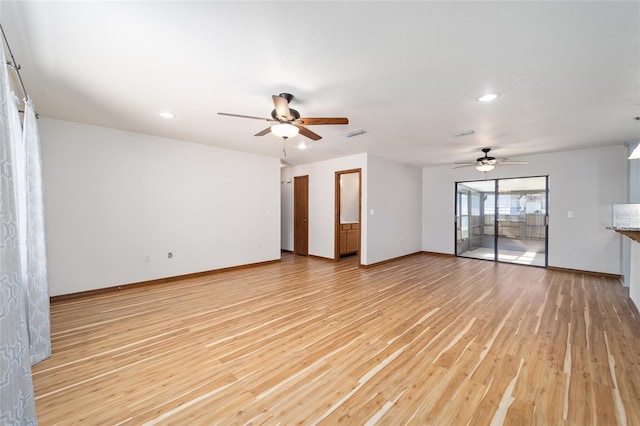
287	96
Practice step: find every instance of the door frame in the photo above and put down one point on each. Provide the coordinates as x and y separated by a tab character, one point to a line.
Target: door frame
296	249
336	227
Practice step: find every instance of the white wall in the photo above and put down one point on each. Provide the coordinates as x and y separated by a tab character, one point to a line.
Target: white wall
395	196
586	182
321	203
113	197
393	190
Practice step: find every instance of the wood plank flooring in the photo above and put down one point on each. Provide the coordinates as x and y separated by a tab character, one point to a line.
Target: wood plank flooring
424	340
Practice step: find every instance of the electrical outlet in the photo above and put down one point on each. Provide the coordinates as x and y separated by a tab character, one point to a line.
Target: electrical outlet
170	255
147	258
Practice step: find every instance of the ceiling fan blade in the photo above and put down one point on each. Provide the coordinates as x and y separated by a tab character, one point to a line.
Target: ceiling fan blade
324	120
308	133
512	163
466	165
282	107
245	116
264	132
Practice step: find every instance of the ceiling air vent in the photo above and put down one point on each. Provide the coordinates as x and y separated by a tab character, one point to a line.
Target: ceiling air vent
354	133
464	133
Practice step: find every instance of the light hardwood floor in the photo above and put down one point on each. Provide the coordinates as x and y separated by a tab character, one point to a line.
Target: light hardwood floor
425	340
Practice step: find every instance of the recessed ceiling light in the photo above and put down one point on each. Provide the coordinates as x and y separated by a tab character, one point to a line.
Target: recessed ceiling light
167	115
488	97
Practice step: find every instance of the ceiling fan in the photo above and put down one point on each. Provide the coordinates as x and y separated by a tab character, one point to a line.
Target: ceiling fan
487	163
288	120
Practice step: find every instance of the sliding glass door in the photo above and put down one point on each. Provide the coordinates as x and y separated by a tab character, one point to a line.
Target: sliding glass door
474	218
503	220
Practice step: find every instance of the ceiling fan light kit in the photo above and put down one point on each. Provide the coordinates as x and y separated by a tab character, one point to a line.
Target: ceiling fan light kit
284	130
484	167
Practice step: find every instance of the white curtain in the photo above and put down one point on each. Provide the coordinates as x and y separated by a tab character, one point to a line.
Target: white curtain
35	261
17	406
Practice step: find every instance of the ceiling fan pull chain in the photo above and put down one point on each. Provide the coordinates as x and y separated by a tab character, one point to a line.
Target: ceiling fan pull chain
284	147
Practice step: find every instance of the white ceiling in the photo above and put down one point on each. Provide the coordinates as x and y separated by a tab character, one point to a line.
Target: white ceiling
408	73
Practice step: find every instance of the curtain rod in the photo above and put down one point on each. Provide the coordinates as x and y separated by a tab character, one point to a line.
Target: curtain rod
12	63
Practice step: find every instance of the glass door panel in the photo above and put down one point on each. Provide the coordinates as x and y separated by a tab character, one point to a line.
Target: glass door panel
474	236
522	212
462	220
488	222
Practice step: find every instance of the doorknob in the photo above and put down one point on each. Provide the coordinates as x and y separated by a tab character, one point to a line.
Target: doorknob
305	220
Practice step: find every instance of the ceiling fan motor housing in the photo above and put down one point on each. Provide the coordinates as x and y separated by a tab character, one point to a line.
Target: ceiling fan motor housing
486	159
287	96
294	114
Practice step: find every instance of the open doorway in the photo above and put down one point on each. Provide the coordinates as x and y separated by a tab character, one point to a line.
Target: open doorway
348	214
503	220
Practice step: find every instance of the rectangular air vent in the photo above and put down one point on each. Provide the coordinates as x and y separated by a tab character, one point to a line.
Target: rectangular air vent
464	133
354	133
